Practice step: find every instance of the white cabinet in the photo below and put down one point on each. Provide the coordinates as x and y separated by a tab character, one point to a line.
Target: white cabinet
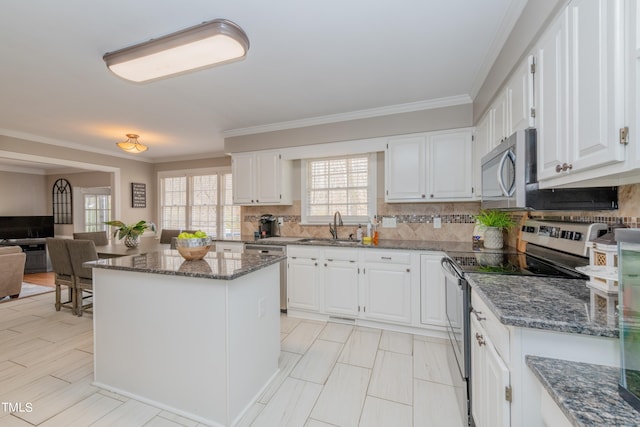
490	385
434	166
519	92
481	146
261	178
303	280
580	90
341	285
387	286
405	168
450	173
360	284
551	98
500	119
432	300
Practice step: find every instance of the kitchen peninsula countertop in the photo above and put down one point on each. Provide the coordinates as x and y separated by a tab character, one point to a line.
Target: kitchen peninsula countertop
554	304
222	266
586	393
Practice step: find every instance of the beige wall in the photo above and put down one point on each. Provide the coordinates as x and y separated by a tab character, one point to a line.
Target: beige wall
214	162
23	194
458	116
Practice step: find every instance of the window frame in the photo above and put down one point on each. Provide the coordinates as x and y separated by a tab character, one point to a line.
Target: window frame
189	174
372	192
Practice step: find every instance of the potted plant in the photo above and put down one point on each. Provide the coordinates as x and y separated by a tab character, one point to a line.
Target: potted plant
131	232
494	223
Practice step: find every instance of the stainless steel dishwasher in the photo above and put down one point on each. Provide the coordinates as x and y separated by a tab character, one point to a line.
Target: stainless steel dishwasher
273	250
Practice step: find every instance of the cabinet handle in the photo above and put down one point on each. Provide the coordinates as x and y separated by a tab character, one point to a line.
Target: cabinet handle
325	264
315	264
478	317
386	257
313	259
564	167
330	259
423	196
480	339
431	195
257	201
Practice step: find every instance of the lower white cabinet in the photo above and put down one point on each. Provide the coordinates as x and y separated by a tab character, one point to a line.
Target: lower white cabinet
230	247
303	283
354	283
490	384
387	289
341	295
432	299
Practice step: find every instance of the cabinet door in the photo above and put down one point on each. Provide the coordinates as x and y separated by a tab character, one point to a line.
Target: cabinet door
387	290
597	82
268	177
551	98
341	287
302	284
489	381
484	136
450	170
432	301
520	97
405	168
500	119
243	169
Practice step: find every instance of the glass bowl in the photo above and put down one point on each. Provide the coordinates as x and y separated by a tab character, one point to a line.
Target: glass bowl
193	249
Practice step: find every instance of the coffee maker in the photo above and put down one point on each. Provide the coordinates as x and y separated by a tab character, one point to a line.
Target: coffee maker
269	226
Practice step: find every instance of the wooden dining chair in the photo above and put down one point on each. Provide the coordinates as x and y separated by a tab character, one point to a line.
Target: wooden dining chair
100	238
81	251
63	272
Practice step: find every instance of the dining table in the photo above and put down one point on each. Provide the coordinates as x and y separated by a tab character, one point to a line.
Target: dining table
117	249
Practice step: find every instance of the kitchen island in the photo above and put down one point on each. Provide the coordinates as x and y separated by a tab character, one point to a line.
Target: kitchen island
198	338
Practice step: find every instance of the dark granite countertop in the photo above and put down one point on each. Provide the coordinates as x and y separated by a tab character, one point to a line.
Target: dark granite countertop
587	394
222	266
554	304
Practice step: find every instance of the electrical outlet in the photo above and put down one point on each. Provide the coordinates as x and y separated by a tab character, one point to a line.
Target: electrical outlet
280	220
437	222
389	222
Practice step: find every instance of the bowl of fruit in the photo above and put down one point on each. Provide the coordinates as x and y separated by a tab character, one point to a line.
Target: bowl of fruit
193	246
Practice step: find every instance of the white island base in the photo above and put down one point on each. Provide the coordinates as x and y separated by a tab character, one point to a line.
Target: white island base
199	347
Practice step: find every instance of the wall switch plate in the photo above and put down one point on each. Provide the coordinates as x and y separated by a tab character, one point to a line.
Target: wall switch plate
389	222
280	220
261	308
437	222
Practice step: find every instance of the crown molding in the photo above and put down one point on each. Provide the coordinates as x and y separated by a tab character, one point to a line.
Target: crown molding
353	115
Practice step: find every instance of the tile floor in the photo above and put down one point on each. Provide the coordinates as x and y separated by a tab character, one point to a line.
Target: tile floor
331	375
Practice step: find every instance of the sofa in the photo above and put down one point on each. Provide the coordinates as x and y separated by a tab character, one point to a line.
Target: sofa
12	261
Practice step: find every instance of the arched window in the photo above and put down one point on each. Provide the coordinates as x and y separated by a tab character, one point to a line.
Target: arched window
62	206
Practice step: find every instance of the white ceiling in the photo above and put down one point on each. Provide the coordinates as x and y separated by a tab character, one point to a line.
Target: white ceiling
308	59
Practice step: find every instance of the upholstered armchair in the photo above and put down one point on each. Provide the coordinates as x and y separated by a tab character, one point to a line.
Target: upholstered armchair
12	261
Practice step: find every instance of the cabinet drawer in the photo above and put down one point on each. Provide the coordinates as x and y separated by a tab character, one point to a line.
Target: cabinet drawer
389	257
230	247
498	333
341	255
294	251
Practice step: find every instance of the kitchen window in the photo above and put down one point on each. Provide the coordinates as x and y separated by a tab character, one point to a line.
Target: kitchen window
199	200
346	184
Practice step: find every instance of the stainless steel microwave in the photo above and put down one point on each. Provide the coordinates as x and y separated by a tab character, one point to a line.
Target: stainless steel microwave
509	181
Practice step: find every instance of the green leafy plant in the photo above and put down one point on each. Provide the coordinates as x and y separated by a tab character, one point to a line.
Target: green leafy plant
132	230
498	219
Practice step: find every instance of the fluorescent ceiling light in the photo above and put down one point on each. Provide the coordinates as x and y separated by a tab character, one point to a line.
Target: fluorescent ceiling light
201	46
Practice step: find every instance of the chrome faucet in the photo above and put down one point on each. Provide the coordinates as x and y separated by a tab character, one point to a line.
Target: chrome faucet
334	230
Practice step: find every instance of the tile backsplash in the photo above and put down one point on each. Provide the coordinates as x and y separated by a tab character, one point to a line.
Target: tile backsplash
415	220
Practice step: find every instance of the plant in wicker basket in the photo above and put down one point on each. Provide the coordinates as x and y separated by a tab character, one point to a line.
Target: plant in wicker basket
130	233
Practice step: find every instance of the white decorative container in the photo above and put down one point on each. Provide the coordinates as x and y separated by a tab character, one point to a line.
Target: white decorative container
493	238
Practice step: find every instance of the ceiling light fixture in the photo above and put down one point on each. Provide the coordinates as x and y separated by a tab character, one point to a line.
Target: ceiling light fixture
210	43
131	145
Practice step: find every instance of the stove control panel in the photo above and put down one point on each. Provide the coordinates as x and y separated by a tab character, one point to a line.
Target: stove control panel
570	237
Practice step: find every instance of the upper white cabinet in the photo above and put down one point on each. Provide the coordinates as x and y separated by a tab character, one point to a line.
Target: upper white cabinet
261	178
580	89
519	92
428	167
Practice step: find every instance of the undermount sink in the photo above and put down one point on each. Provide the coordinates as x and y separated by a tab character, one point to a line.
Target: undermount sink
331	242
